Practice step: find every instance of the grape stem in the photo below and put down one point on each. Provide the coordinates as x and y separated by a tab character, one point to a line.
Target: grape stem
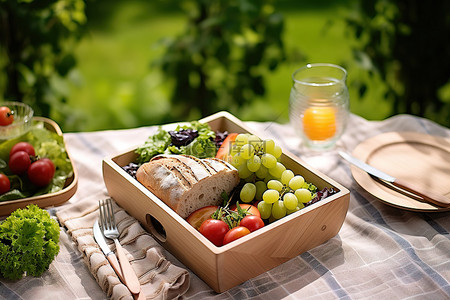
231	217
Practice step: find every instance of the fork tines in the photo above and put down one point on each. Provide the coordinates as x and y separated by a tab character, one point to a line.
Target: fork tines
107	218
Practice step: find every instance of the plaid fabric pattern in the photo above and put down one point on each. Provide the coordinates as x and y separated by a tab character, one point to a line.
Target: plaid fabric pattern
381	252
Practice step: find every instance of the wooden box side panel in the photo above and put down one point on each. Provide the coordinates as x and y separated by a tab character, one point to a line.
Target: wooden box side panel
224	267
223	122
177	236
300	234
242	260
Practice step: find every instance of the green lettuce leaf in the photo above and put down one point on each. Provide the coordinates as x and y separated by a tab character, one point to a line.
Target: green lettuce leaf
160	143
155	144
29	241
46	144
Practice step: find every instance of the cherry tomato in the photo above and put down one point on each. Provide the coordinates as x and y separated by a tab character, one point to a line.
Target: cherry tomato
200	215
235	233
5	185
251	209
22	146
41	172
52	165
252	222
225	148
6	116
214	230
19	162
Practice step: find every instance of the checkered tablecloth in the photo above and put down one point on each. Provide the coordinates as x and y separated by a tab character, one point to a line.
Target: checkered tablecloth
381	252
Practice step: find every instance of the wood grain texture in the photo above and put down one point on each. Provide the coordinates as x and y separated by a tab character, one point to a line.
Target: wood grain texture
225	267
53	199
419	159
427	194
129	276
112	258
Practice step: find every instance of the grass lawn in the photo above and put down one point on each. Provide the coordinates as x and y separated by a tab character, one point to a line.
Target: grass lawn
115	86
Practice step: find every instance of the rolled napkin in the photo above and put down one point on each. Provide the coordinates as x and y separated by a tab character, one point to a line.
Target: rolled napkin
159	278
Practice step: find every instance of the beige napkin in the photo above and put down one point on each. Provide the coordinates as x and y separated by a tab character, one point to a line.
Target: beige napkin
159	278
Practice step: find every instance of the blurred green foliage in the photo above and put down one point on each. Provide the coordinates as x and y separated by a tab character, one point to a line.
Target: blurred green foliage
37	41
142	62
406	43
219	61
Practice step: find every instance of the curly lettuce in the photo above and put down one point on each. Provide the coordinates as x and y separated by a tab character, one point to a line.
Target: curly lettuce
29	242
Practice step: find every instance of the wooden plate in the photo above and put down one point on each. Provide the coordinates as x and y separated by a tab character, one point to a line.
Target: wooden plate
43	201
421	159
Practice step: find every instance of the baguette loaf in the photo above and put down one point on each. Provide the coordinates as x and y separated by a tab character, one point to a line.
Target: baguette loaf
186	183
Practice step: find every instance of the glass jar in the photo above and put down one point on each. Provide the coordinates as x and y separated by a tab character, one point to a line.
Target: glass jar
319	104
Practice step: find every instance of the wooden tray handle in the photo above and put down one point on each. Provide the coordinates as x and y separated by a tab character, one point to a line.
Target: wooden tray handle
427	195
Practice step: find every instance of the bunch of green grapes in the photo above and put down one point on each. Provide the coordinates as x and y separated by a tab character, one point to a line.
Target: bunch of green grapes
253	156
267	179
285	196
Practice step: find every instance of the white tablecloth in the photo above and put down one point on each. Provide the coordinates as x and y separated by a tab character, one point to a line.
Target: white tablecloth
380	252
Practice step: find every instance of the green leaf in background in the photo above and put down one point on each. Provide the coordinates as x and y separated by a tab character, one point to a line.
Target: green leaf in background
37	39
403	43
220	60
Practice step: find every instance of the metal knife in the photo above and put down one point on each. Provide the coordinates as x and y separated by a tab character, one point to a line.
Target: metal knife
112	258
426	195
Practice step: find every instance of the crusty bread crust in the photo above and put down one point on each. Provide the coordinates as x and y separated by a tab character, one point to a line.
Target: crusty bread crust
186	183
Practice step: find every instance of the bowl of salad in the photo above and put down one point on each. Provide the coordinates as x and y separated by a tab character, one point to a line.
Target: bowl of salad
15	119
32	181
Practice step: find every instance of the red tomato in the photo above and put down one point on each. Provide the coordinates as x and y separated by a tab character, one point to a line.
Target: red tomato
251	209
19	162
214	230
22	146
5	185
41	172
6	116
235	233
52	165
200	215
225	148
252	222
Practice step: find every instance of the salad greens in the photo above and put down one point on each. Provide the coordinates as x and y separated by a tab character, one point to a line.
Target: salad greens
29	241
164	142
46	144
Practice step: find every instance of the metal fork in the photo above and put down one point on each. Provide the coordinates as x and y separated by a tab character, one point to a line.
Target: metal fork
109	227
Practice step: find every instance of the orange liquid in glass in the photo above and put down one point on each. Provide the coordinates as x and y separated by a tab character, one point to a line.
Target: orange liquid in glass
319	123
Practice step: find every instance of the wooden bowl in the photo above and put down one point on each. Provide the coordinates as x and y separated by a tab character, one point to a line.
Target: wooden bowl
225	267
47	200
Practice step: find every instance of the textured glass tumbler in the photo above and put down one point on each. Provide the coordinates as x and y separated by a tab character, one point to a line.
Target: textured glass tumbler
319	104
